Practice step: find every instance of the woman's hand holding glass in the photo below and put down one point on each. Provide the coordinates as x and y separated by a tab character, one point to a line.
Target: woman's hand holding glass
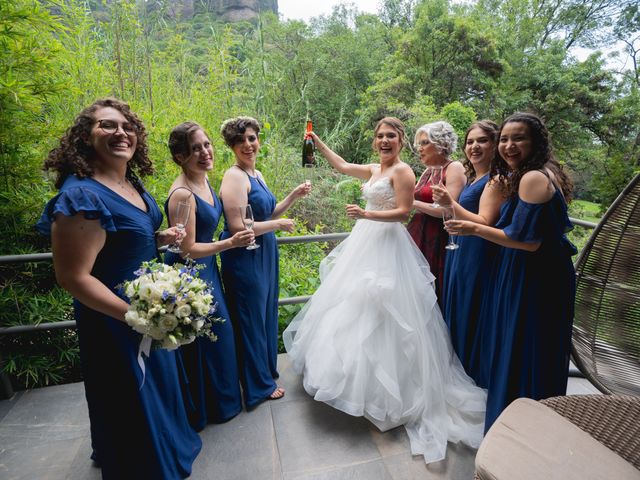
302	190
441	196
460	227
183	210
246	215
435	180
169	236
243	238
448	214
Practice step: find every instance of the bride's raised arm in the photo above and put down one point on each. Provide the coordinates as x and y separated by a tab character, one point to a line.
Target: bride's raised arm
340	164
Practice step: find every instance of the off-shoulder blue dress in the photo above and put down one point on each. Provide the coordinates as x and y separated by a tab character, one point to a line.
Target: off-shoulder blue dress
251	286
531	305
211	367
139	426
466	275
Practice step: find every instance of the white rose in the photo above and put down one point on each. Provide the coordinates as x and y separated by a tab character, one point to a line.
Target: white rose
145	291
183	311
167	322
155	293
130	291
132	317
156	333
136	321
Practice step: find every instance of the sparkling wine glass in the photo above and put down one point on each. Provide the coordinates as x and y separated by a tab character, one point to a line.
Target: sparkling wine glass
308	174
448	213
435	178
182	216
246	213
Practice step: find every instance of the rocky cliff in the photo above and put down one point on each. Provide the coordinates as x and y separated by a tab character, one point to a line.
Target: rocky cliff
227	10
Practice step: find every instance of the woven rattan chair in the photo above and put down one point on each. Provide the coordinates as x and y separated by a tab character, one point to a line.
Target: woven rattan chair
606	330
613	420
517	445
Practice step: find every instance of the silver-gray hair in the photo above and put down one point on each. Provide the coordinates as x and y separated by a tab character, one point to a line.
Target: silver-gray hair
441	134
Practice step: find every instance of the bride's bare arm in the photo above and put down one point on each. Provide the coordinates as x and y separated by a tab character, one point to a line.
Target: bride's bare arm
403	181
339	163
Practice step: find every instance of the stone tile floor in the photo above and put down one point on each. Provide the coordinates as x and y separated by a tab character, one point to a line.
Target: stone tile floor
44	435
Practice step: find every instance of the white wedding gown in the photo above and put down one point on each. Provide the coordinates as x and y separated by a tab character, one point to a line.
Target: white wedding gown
371	341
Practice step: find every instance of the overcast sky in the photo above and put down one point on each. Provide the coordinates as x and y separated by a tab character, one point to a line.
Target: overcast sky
305	9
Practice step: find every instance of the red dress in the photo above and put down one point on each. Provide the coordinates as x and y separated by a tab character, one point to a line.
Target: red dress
428	232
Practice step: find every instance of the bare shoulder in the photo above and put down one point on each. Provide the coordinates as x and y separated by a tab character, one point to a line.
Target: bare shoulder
404	173
259	175
179	193
234	176
535	187
456	167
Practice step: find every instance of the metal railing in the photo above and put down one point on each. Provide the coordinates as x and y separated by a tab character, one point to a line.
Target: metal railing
6	391
47	257
286	240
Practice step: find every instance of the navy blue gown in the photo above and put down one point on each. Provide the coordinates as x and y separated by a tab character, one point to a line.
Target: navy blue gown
139	429
251	286
211	367
531	305
466	275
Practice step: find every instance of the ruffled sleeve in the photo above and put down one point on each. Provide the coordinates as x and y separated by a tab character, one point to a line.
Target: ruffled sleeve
72	201
525	222
540	222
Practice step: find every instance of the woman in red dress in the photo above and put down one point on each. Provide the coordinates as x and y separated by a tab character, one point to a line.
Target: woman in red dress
435	142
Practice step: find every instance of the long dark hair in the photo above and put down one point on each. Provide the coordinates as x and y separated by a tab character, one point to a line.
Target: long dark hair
75	157
489	127
541	157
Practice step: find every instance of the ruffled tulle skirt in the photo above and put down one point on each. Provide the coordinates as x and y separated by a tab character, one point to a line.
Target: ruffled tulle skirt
372	342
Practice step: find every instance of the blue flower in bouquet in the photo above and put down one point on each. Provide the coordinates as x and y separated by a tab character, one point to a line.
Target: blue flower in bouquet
170	304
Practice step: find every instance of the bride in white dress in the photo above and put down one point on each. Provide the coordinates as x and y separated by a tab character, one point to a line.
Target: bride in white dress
371	340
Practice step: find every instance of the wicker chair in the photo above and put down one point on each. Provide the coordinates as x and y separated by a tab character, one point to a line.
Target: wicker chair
613	420
606	331
531	440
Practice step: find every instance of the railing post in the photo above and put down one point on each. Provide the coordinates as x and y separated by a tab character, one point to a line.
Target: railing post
6	390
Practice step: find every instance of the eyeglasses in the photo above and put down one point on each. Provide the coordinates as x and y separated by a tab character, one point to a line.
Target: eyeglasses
422	143
109	126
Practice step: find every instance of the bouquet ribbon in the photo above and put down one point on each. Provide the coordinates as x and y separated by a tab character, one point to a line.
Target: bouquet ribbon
145	347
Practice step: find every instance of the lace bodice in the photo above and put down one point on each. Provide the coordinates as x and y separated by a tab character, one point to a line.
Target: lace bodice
379	194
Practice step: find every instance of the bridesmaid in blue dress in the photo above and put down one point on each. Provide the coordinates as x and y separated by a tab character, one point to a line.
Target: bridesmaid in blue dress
210	367
250	276
103	225
531	299
467	268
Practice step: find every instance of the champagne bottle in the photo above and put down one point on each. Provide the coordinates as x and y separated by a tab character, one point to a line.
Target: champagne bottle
308	148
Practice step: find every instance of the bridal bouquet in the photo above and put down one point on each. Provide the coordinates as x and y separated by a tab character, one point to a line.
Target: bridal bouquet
170	305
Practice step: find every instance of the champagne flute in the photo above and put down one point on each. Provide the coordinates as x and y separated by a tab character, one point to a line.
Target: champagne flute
448	213
435	178
182	216
308	174
246	213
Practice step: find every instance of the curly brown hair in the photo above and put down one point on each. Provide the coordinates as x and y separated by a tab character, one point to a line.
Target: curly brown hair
491	129
233	129
75	157
541	157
